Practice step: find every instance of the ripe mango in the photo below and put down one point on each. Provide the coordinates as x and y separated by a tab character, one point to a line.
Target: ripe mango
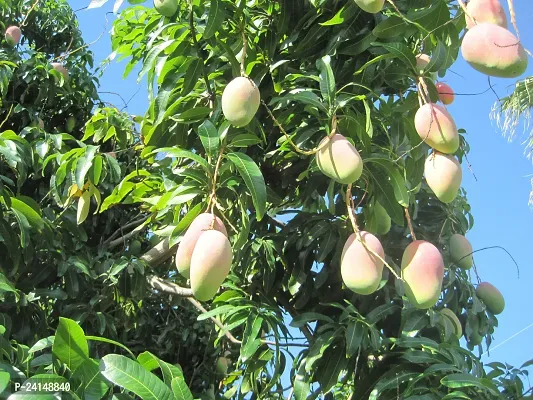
485	11
443	175
166	8
422	271
491	296
494	51
240	101
339	160
370	6
437	128
61	69
13	35
461	251
360	269
186	247
446	94
210	264
447	313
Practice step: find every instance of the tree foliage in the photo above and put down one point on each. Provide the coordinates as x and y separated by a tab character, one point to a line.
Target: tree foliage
91	218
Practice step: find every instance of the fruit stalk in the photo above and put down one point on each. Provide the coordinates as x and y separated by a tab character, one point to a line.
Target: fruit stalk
357	232
408	216
213	195
466	12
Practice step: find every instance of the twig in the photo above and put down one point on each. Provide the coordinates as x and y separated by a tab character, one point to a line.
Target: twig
29	12
408	216
289	397
513	17
494	247
358	232
285	304
212	96
296	148
7	117
244	45
466	12
224	217
469	165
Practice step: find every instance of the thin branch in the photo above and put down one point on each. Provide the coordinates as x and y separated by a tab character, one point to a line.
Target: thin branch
513	17
294	145
168	287
408	216
29	12
132	224
358	232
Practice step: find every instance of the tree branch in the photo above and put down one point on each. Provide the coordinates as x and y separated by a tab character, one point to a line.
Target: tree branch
285	303
159	253
168	287
132	224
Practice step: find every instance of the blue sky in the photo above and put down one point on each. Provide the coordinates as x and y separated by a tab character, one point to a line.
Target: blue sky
498	198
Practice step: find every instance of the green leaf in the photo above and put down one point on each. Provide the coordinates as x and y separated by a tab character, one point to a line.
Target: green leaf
131	376
151	57
42	344
378	313
354	336
302	319
438	58
215	18
252	176
250	342
328	373
467	380
305	97
181	153
4	380
70	345
327	79
244	140
192	76
302	386
92	384
390	27
395	179
399	50
20	204
6	286
180	389
209	136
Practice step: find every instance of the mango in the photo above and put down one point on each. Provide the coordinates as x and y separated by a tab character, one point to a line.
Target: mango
222	366
361	270
446	94
370	6
461	251
474	338
13	35
210	264
186	247
485	11
422	272
61	69
447	313
383	220
491	296
70	124
422	60
494	51
240	101
339	160
443	175
166	8
437	128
